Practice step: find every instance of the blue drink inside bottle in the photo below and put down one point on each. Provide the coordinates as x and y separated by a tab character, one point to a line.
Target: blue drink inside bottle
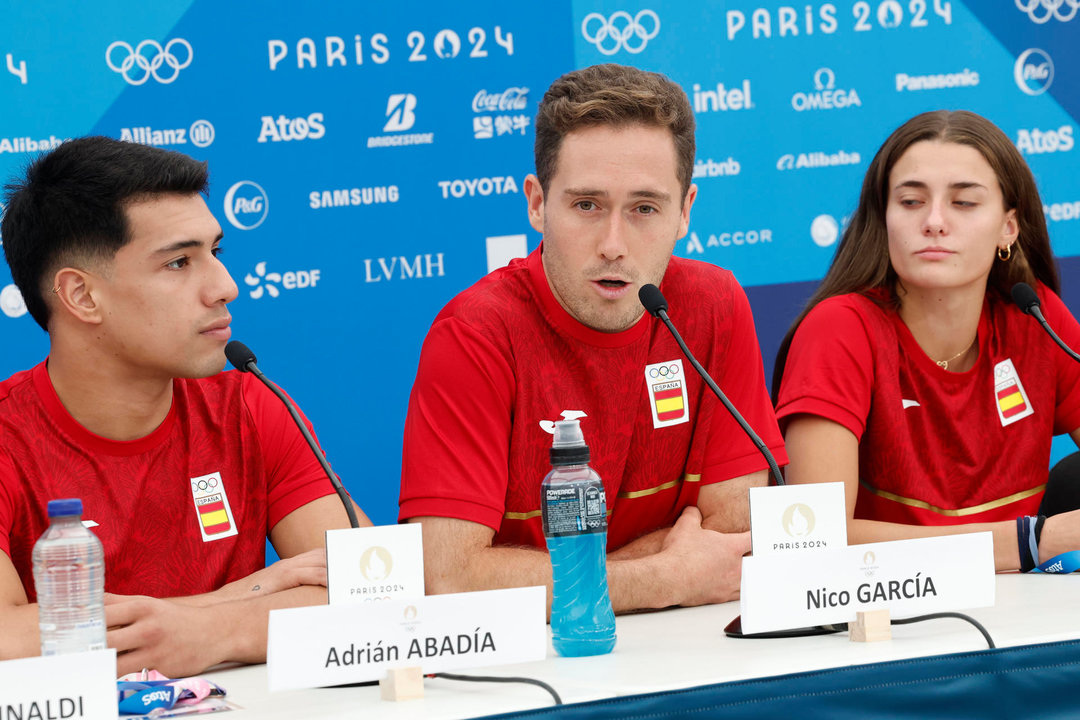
575	526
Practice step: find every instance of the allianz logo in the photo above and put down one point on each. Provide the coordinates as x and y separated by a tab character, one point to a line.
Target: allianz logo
708	168
825	96
284	129
200	134
1035	142
803	161
502	185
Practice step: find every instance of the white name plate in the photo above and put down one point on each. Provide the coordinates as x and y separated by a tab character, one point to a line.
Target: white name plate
908	577
374	563
79	685
335	644
796	519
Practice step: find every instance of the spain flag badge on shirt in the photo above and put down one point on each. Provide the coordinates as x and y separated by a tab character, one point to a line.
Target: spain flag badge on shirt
667	393
212	507
1009	397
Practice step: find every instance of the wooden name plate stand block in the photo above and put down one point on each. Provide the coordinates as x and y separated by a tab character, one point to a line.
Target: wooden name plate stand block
871	626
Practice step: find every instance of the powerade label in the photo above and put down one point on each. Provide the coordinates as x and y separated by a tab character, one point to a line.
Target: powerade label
571	509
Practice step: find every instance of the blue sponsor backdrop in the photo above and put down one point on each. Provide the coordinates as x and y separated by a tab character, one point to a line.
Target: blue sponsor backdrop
367	161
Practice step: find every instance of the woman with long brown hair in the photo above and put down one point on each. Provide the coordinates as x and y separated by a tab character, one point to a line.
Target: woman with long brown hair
911	376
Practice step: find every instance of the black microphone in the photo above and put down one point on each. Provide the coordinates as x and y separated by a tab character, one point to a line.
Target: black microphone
653	301
1026	299
241	358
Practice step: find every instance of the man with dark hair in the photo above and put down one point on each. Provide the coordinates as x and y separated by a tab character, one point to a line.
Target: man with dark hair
561	334
185	470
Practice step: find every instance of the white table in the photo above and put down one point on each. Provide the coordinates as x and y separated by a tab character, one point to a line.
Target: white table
680	648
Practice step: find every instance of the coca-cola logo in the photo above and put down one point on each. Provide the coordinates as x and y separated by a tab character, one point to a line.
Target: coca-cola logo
513	98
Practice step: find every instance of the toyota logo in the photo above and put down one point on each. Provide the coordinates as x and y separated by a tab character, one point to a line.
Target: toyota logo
620	31
137	67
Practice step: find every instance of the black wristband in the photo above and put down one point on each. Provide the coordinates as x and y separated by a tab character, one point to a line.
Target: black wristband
1023	529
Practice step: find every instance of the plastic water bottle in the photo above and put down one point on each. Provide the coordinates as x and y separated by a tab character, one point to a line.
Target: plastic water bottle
575	526
69	576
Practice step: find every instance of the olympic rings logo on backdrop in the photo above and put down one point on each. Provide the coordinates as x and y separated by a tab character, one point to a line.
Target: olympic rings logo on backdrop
664	371
625	32
1051	8
147	67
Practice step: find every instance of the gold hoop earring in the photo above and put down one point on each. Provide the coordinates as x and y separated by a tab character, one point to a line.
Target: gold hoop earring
56	289
1004	255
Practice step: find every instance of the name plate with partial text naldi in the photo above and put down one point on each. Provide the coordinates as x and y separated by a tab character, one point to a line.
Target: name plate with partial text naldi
796	519
335	644
374	563
78	685
907	577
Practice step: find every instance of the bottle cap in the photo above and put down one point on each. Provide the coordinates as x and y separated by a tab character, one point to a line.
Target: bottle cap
67	506
568	444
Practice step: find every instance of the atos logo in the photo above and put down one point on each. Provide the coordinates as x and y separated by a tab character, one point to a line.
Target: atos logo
284	129
246	205
263	282
1034	141
1033	71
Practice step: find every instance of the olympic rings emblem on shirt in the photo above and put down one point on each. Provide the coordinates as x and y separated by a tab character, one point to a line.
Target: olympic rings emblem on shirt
205	484
148	66
664	371
624	31
1053	9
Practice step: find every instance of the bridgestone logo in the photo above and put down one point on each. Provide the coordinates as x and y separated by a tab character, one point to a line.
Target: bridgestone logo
411	139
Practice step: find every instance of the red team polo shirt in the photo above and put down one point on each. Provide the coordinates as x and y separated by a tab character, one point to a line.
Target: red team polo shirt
503	360
938	447
182	511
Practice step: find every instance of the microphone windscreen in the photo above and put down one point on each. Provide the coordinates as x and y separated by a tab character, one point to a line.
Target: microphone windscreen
239	355
1062	487
652	299
1024	297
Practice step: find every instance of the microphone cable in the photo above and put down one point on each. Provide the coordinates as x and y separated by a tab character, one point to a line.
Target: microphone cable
500	679
959	616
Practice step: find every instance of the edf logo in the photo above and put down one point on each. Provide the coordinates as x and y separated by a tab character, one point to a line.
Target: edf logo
246	205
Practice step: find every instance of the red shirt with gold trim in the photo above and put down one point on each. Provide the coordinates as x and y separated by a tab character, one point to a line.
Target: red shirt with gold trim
504	359
182	511
938	447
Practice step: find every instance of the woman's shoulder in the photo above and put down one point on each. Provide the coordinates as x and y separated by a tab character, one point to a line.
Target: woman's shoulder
869	308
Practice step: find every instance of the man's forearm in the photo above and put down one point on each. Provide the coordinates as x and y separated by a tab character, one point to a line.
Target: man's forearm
19	635
633	583
247	620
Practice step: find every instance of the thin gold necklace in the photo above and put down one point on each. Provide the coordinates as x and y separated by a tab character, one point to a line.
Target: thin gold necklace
944	364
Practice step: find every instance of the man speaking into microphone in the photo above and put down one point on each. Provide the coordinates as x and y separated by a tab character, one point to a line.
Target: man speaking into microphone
185	470
561	334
